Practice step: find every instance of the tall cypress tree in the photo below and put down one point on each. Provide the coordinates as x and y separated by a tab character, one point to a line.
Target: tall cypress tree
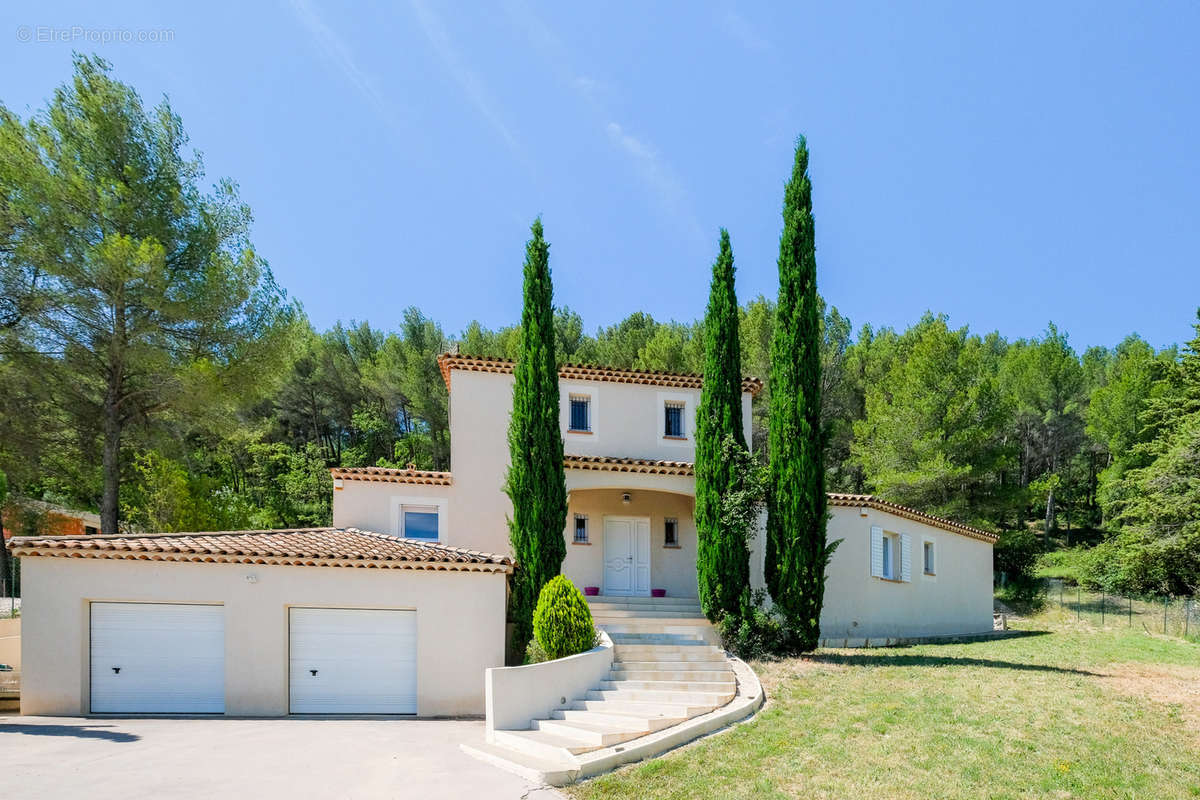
535	482
797	551
722	559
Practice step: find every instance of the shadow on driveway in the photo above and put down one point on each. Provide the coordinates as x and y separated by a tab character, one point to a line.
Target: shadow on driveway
75	731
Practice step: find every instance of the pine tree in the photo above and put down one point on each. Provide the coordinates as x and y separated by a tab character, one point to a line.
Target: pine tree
722	558
535	482
797	552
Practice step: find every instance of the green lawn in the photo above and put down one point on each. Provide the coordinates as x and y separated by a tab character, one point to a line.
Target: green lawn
1073	713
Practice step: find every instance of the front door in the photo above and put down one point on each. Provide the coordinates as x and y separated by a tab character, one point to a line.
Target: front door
626	555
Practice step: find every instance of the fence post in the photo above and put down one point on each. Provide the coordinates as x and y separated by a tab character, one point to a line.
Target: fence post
1060	593
1165	601
1187	616
1131	611
1079	604
1102	596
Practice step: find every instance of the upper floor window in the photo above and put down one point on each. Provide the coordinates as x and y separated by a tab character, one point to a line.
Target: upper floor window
581	413
671	532
674	420
581	529
419	522
929	560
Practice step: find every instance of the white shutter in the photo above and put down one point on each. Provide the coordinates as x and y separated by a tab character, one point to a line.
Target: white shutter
905	557
876	551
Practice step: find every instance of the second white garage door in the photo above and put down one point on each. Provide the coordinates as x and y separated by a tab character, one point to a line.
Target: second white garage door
352	661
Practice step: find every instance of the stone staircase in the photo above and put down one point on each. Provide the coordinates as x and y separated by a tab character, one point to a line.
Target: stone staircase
667	668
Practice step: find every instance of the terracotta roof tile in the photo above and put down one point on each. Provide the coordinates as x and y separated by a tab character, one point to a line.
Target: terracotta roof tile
643	465
585	372
390	475
870	501
329	547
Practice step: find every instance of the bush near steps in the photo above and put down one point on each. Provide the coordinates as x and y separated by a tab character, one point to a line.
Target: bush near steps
562	621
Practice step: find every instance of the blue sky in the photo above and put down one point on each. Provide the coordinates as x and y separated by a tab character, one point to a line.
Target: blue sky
1007	164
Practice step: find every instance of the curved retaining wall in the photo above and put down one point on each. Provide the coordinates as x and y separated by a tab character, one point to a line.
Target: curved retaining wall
514	696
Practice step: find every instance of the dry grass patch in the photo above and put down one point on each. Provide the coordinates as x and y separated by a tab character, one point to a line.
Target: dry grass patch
1177	687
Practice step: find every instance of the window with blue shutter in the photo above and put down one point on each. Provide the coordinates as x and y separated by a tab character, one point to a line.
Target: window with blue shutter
674	421
580	413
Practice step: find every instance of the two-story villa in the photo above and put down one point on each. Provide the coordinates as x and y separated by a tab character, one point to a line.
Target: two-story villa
399	607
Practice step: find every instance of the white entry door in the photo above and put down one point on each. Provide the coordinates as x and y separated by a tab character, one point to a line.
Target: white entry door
627	555
157	658
352	661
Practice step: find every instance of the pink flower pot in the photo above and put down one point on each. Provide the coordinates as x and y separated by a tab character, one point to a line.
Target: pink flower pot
591	591
658	592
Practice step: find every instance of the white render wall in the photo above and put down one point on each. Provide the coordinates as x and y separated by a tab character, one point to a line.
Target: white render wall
627	422
460	625
957	600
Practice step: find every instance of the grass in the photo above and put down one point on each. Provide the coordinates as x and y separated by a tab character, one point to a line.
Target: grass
1070	712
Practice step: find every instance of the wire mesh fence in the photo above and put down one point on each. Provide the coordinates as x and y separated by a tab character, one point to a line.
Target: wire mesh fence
1170	616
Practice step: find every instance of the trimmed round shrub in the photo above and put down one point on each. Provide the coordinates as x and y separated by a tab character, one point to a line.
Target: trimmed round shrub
562	621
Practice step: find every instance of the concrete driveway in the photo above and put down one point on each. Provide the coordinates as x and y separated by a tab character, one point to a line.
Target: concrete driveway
98	758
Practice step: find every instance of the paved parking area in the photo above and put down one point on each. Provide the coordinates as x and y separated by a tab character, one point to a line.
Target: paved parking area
100	758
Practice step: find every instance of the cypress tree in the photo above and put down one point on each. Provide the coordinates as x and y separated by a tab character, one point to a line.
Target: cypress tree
535	481
797	552
722	558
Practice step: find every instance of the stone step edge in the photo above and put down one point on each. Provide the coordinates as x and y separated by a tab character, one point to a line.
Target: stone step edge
748	699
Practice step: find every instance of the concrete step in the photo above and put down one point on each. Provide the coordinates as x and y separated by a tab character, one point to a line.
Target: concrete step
672	666
682	612
642	708
604	734
682	640
640	600
719	676
700	651
624	719
716	687
543	745
711	699
556	772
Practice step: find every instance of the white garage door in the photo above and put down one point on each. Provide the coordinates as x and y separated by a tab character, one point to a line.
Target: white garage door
353	661
157	658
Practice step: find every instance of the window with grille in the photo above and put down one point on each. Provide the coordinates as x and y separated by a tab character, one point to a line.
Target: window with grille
581	530
581	417
671	533
674	420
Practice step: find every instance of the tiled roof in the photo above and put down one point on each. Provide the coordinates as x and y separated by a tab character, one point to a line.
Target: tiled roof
652	467
311	547
645	466
584	372
870	501
388	475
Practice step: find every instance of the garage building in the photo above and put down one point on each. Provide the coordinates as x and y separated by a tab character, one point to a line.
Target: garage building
258	623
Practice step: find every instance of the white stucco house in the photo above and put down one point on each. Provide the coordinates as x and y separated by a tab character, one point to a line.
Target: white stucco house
399	607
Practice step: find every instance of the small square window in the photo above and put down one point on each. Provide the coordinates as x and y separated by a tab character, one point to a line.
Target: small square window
581	529
581	413
929	562
674	420
419	522
671	533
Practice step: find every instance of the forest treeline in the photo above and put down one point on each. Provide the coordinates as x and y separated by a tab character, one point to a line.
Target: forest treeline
151	368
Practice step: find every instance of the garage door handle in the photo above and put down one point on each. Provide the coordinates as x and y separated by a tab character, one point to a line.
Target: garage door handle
117	670
314	672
